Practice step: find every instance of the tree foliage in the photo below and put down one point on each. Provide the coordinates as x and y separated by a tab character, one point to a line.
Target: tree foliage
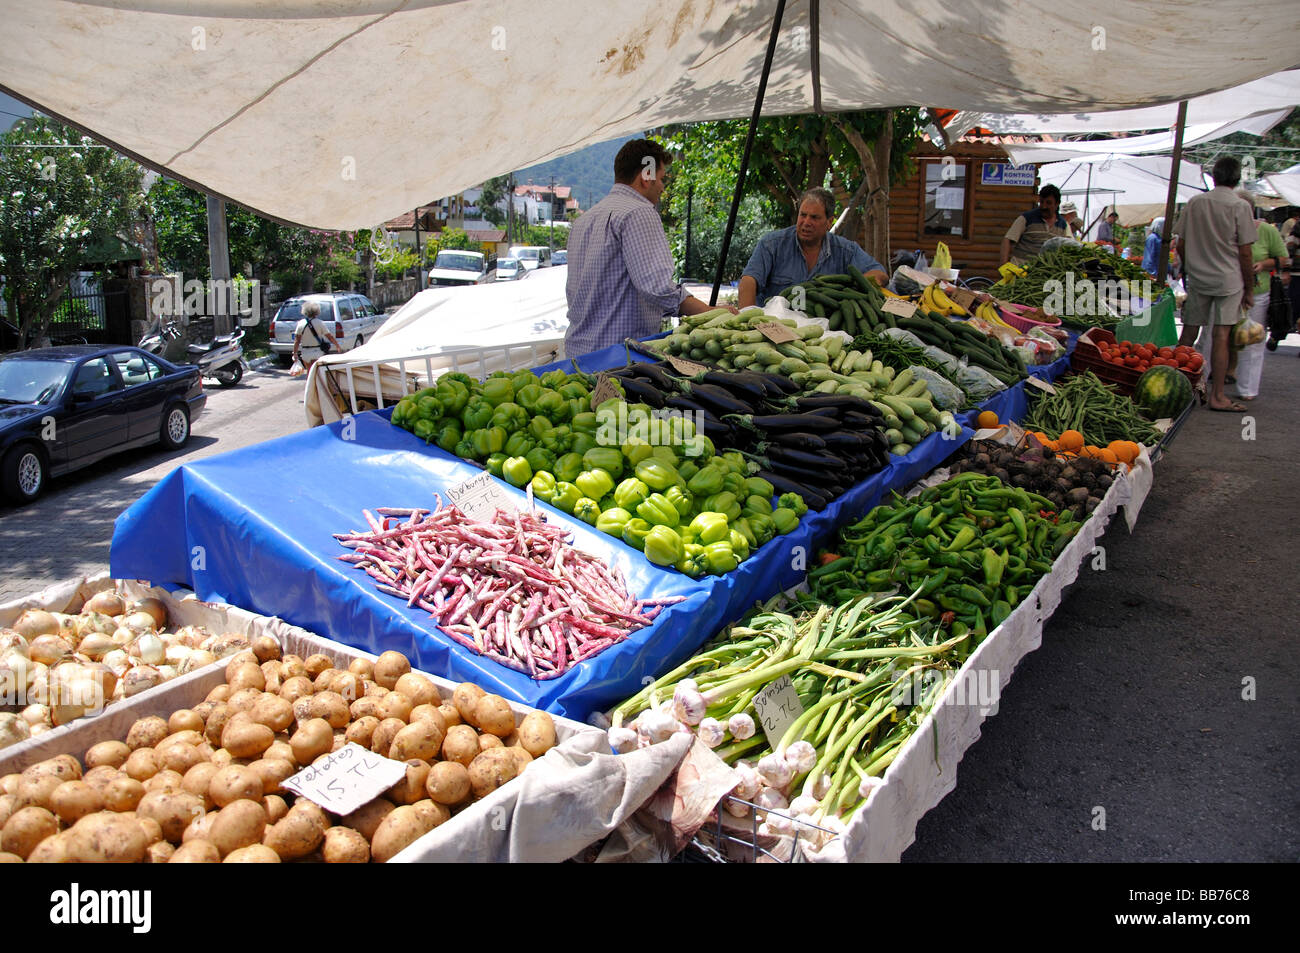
494	192
449	239
60	194
856	155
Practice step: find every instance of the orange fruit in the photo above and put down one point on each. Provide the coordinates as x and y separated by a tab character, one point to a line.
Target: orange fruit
1071	440
988	420
1105	453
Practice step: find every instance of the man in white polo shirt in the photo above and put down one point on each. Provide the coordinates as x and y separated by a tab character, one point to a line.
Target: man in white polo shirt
1216	238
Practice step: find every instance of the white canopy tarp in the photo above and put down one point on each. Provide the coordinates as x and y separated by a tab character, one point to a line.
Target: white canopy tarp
1139	145
1286	184
478	329
1281	91
1135	184
344	113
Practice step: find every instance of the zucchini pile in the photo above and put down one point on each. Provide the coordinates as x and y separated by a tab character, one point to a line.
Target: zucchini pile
849	302
966	342
816	363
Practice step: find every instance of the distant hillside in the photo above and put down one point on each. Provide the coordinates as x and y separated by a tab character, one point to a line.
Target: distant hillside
589	171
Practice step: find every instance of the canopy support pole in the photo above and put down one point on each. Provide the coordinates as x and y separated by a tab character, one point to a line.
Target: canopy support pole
1162	265
744	159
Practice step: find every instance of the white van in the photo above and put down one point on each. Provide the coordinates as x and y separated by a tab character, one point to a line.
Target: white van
533	256
458	267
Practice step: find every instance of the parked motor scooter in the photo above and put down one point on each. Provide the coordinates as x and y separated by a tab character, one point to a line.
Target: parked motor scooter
222	358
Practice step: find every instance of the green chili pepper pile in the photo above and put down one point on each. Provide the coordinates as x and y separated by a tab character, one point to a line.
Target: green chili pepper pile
972	546
1084	402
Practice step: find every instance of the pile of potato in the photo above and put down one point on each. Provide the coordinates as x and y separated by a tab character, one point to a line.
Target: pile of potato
204	785
56	667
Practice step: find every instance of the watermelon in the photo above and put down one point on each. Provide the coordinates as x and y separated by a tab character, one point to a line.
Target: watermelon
1162	391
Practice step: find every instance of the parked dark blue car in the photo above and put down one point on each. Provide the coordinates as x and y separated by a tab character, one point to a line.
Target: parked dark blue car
63	408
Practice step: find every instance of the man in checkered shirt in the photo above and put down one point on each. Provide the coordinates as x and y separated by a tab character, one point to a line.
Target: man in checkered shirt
620	268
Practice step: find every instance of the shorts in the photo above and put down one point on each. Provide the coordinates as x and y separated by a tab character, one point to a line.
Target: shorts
1201	309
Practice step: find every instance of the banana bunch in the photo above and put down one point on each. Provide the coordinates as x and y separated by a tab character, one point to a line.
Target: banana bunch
1010	272
989	313
942	257
933	299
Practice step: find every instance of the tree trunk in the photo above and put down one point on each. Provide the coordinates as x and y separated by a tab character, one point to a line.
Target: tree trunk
868	218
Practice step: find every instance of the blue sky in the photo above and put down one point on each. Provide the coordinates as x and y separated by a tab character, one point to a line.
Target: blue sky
10	110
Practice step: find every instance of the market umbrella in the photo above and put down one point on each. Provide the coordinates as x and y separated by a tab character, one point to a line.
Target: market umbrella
1136	185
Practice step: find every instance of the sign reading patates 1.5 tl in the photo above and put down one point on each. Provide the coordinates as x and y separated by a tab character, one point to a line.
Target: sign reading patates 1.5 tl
1004	173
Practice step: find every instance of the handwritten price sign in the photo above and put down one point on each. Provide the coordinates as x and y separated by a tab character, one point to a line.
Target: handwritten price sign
777	707
347	779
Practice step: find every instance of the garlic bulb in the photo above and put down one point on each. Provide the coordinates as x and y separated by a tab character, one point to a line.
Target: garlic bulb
775	770
770	799
805	804
622	740
822	786
801	756
749	784
689	705
688	684
735	808
868	785
655	725
711	732
741	726
776	825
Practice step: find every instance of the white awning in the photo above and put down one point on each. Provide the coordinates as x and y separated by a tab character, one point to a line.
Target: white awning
1135	184
1286	184
1140	145
1280	91
345	113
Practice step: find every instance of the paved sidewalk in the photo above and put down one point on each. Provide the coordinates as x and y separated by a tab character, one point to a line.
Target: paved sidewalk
1134	704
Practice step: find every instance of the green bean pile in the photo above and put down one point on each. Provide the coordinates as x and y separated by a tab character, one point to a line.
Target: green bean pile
1088	263
1085	403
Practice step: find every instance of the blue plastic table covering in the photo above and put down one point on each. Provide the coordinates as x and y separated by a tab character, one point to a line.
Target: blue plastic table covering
254	528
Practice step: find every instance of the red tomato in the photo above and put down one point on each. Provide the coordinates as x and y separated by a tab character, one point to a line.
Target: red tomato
1166	352
1131	361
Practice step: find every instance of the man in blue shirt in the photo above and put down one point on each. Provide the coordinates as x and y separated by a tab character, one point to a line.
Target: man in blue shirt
791	255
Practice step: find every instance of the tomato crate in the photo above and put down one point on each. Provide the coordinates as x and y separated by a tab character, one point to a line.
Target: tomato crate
1087	357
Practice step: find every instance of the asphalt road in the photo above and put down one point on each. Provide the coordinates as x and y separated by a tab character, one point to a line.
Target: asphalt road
67	531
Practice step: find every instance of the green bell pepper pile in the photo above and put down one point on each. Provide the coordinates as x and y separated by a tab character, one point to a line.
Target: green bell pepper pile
543	433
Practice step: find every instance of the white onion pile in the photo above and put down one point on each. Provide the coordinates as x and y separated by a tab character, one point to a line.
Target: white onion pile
56	667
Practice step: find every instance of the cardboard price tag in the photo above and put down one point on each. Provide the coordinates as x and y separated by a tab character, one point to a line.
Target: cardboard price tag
775	332
988	433
920	277
966	299
904	309
1040	384
480	497
689	368
777	707
603	391
347	779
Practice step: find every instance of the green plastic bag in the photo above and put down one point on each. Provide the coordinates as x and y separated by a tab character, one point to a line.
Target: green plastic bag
1155	325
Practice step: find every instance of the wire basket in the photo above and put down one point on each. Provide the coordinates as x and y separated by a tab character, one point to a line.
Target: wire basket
736	840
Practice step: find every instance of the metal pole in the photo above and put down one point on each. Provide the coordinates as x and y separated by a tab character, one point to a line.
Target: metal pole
1162	266
218	258
749	145
550	218
1087	198
419	263
690	200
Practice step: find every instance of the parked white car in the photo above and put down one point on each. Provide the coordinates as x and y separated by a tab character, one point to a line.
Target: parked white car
533	256
510	269
458	267
351	317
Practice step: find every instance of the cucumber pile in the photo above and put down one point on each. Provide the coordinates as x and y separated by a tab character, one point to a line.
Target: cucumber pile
849	302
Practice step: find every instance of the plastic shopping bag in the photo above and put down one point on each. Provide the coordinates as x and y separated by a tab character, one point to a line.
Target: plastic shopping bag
297	369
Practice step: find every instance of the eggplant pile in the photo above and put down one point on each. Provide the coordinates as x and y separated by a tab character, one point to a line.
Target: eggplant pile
818	445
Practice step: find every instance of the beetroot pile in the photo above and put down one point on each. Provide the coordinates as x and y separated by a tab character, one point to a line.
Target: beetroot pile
513	590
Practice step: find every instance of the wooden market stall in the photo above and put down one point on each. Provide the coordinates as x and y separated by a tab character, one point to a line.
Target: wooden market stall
966	197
